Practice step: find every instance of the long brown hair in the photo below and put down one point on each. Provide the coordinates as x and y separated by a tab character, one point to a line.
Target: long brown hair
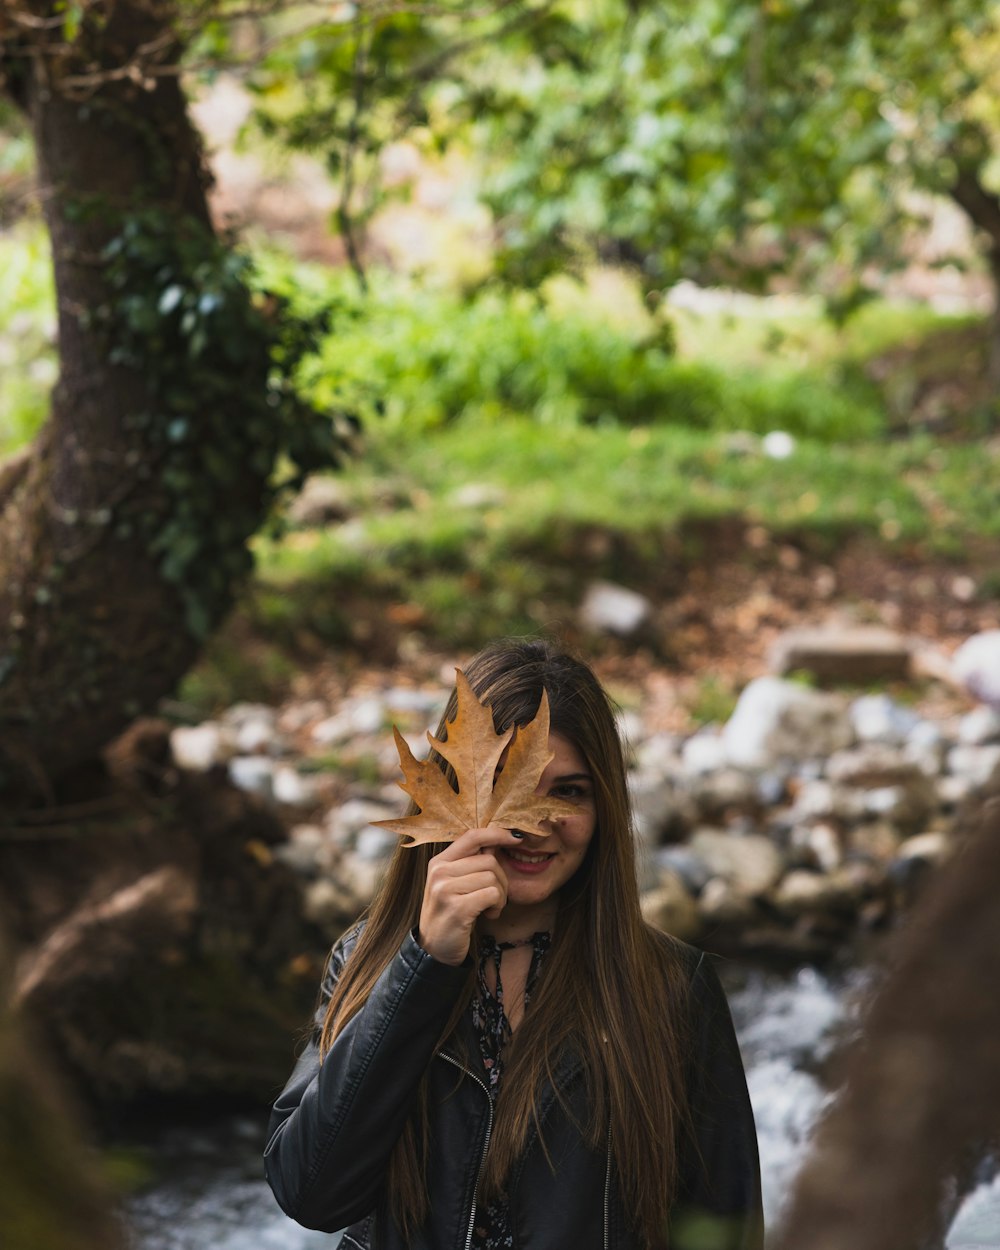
610	986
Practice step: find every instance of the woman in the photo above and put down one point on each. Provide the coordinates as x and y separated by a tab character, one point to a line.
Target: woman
505	1054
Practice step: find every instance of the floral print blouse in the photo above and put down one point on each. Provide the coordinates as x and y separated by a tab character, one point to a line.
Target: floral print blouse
492	1228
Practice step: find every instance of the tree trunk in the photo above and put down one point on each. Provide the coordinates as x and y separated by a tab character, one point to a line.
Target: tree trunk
921	1103
96	624
983	208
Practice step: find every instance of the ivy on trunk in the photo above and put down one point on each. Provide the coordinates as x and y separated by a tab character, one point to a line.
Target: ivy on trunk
123	534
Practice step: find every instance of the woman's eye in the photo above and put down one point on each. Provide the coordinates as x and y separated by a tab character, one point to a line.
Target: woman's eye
569	791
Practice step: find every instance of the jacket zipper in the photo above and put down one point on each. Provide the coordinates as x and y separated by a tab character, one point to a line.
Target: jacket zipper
607	1196
486	1143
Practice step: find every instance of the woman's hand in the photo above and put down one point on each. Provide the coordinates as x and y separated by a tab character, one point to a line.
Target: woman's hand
464	882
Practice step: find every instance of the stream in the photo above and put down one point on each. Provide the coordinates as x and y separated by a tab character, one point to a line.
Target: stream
209	1193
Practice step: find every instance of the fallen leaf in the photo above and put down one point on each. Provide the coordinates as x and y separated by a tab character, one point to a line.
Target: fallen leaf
474	749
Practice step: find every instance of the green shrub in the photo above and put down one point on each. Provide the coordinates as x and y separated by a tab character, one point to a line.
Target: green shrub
424	359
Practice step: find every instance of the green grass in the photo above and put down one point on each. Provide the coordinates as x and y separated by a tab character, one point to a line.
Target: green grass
518	564
574	409
431	358
580	420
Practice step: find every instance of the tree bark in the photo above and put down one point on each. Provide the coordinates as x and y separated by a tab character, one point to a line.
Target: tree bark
91	630
983	208
921	1102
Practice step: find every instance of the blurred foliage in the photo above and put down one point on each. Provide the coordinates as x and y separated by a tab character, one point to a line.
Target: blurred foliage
725	141
422	358
27	334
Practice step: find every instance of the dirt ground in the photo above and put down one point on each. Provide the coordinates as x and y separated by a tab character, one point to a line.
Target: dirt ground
713	630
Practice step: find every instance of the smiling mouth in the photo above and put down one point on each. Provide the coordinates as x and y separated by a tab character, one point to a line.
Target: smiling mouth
528	857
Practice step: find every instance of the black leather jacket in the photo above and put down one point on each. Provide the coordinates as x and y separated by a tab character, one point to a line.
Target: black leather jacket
335	1124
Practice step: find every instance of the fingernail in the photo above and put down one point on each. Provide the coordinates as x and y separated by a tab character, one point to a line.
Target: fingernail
516	833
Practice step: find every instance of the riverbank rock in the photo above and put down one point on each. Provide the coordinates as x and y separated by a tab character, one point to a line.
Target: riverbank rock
199	748
976	664
670	907
611	609
879	718
980	727
750	864
777	720
853	655
802	821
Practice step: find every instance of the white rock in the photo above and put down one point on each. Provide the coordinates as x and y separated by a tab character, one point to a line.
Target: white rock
418	744
347	821
658	754
976	664
839	653
630	726
951	791
407	699
816	800
776	720
684	863
308	835
932	847
800	891
749	863
925	734
704	752
724	790
375	844
777	445
360	876
822	844
878	840
720	903
872	764
974	763
479	495
240	713
902	805
293	788
772	788
980	726
200	747
877	718
612	609
928	759
253	773
652	804
256	735
355	719
297	715
304	851
330	902
671	908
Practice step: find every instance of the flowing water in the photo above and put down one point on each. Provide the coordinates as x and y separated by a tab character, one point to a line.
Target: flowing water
209	1193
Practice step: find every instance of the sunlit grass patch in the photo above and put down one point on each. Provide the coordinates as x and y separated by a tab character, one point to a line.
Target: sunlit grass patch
28	364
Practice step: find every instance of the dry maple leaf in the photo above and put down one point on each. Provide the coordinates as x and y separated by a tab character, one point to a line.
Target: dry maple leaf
474	750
